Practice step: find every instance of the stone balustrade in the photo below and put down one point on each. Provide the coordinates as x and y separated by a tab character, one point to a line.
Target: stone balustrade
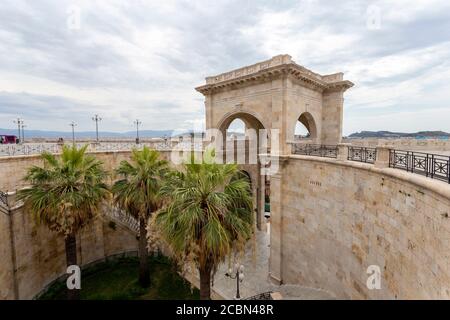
428	164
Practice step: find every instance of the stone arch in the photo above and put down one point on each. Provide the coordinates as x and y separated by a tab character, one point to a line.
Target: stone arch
250	119
310	121
274	89
273	94
237	126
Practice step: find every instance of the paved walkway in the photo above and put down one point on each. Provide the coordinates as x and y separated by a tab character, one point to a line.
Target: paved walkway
256	270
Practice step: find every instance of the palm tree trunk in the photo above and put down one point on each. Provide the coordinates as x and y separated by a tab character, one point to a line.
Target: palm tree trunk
144	273
205	283
71	259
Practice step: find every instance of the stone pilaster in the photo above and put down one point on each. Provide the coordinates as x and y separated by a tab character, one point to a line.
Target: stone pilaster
279	116
382	160
343	151
276	223
208	111
261	201
332	116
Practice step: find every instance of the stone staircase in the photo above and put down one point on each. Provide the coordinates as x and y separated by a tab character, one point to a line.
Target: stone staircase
120	217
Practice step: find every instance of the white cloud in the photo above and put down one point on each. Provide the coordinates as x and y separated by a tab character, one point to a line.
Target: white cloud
142	59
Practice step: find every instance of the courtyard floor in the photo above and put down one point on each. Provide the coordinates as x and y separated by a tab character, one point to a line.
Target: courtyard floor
256	271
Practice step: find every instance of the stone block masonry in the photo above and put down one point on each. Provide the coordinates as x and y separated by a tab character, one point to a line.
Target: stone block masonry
357	215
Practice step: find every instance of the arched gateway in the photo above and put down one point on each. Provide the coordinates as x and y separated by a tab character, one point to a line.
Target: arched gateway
274	95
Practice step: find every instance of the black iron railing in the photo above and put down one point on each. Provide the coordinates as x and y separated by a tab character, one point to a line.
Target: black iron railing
430	165
362	154
319	150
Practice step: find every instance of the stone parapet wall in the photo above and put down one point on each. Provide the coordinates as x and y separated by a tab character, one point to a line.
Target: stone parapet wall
13	169
336	218
31	256
435	145
39	254
36	257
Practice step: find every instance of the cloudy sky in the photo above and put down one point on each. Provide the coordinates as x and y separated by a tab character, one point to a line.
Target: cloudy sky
67	60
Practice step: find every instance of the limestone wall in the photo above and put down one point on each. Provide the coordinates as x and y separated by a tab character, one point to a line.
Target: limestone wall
6	268
333	219
40	254
13	169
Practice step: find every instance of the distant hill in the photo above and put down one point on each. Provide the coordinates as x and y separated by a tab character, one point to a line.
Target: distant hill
389	134
87	134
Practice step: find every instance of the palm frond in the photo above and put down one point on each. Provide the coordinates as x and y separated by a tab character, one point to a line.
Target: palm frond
66	193
208	213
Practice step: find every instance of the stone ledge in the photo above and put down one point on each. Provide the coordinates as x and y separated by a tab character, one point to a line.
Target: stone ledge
439	187
38	155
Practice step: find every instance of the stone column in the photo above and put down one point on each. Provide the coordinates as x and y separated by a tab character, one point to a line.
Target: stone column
8	279
208	111
343	151
276	229
382	160
260	201
279	117
276	222
332	116
263	158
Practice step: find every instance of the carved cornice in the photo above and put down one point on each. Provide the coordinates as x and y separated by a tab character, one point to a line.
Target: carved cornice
278	66
339	85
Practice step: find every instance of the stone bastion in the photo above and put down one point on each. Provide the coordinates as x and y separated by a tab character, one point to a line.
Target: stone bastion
331	220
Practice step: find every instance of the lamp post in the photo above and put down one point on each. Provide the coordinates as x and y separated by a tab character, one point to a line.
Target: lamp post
73	125
23	132
236	273
19	123
166	144
96	118
137	123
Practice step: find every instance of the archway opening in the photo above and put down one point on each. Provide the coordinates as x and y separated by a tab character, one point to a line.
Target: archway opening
305	127
236	129
301	131
243	141
245	129
238	123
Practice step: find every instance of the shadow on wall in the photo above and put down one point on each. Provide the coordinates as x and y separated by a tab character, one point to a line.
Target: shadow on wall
339	218
36	257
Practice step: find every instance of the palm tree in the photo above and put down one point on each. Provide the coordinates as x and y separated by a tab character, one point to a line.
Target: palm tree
137	192
65	195
208	216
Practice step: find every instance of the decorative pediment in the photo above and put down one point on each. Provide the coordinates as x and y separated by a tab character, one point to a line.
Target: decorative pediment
278	66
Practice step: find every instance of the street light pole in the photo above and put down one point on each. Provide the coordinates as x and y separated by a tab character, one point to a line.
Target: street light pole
23	132
73	125
236	273
137	123
19	123
96	118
